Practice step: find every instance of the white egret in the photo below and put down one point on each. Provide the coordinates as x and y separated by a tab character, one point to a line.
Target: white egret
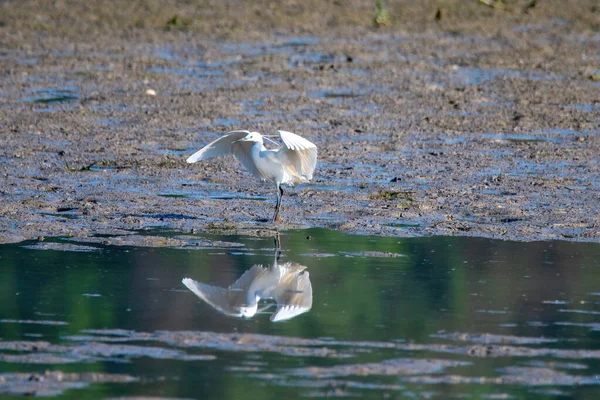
288	284
290	164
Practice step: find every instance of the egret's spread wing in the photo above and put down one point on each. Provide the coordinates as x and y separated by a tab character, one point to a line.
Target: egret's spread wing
232	301
295	142
298	156
283	313
293	294
263	285
266	284
293	280
279	277
220	147
244	281
217	297
294	298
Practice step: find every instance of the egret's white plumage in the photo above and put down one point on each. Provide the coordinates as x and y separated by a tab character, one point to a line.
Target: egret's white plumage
236	300
292	163
293	293
288	284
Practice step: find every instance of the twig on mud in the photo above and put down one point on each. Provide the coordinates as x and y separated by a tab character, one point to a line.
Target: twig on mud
499	5
87	168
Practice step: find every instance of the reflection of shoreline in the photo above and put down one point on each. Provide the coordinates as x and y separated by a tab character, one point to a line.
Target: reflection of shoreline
287	284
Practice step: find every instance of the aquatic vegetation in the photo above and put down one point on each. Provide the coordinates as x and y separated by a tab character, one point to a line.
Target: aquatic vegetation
177	22
392	195
382	16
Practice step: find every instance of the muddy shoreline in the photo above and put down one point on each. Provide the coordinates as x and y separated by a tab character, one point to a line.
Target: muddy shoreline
480	121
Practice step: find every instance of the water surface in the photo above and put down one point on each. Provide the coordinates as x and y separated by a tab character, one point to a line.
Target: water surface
434	317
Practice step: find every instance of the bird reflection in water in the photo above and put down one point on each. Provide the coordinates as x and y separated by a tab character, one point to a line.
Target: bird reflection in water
287	284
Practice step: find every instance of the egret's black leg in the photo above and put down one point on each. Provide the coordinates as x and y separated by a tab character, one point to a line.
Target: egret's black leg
277	246
278	205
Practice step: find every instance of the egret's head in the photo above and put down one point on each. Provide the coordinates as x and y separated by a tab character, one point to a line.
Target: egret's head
249	311
252	137
251	306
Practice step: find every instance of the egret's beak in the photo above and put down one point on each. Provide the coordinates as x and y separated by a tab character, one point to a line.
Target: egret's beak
263	309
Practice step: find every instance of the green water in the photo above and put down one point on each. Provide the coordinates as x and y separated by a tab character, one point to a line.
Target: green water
435	317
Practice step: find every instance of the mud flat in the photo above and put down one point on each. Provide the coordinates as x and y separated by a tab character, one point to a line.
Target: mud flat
343	379
457	119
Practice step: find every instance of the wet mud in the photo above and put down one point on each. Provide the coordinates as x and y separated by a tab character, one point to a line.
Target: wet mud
525	365
54	383
455	118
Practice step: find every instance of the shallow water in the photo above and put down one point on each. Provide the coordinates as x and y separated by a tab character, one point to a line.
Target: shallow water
433	317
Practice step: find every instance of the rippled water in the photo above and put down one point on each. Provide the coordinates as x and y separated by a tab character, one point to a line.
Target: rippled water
436	317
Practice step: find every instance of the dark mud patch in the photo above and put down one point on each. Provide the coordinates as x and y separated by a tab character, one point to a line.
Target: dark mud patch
489	338
380	254
336	387
149	240
136	240
556	365
47	353
51	96
512	351
54	383
522	376
295	346
223	342
61	247
319	255
203	243
401	366
33	322
525	365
